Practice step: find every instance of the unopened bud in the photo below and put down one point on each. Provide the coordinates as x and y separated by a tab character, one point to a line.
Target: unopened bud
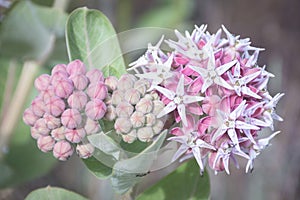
80	81
42	82
62	150
51	121
58	76
126	82
144	105
63	88
159	125
45	143
142	86
130	137
150	119
158	106
75	135
78	100
124	109
91	126
76	67
117	97
122	125
55	106
145	134
59	67
38	106
110	114
95	109
41	127
29	117
58	133
85	150
95	75
71	118
48	93
34	133
137	119
97	90
132	96
111	83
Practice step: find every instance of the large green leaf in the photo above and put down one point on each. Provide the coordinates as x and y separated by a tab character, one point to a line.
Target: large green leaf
128	172
53	193
28	30
184	183
99	169
91	38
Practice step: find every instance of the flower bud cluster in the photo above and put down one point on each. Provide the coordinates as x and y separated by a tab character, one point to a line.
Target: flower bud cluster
217	94
133	109
67	108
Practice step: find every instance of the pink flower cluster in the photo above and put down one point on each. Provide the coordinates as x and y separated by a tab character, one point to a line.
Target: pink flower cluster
67	108
217	94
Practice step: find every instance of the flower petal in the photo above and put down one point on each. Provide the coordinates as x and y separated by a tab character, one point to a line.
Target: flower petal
180	86
167	93
223	68
169	108
187	99
182	113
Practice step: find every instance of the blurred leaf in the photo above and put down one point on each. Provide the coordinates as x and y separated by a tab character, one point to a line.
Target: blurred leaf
128	172
28	30
99	169
53	193
6	173
170	15
135	147
43	2
91	38
184	183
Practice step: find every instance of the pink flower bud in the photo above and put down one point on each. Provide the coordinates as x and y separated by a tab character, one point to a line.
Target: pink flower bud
59	67
95	109
41	127
71	118
34	133
111	83
144	105
142	86
137	119
97	90
132	96
78	100
45	143
51	121
95	75
150	119
55	106
80	81
123	125
58	76
110	114
91	126
63	88
145	134
126	82
130	137
124	109
158	106
117	97
42	82
85	150
75	135
38	106
158	126
76	67
29	117
62	150
48	93
58	133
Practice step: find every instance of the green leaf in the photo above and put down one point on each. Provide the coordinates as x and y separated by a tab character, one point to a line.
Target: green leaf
99	169
91	38
53	193
128	172
184	183
28	30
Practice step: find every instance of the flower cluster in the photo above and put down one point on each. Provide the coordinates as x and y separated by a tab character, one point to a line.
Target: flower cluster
67	108
216	93
133	109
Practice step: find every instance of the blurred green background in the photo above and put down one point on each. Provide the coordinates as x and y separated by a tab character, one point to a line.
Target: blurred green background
36	34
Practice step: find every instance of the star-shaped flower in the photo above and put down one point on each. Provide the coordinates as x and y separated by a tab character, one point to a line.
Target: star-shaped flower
270	113
230	122
240	82
178	100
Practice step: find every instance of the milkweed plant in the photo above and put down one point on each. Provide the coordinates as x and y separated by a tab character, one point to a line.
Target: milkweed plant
202	99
